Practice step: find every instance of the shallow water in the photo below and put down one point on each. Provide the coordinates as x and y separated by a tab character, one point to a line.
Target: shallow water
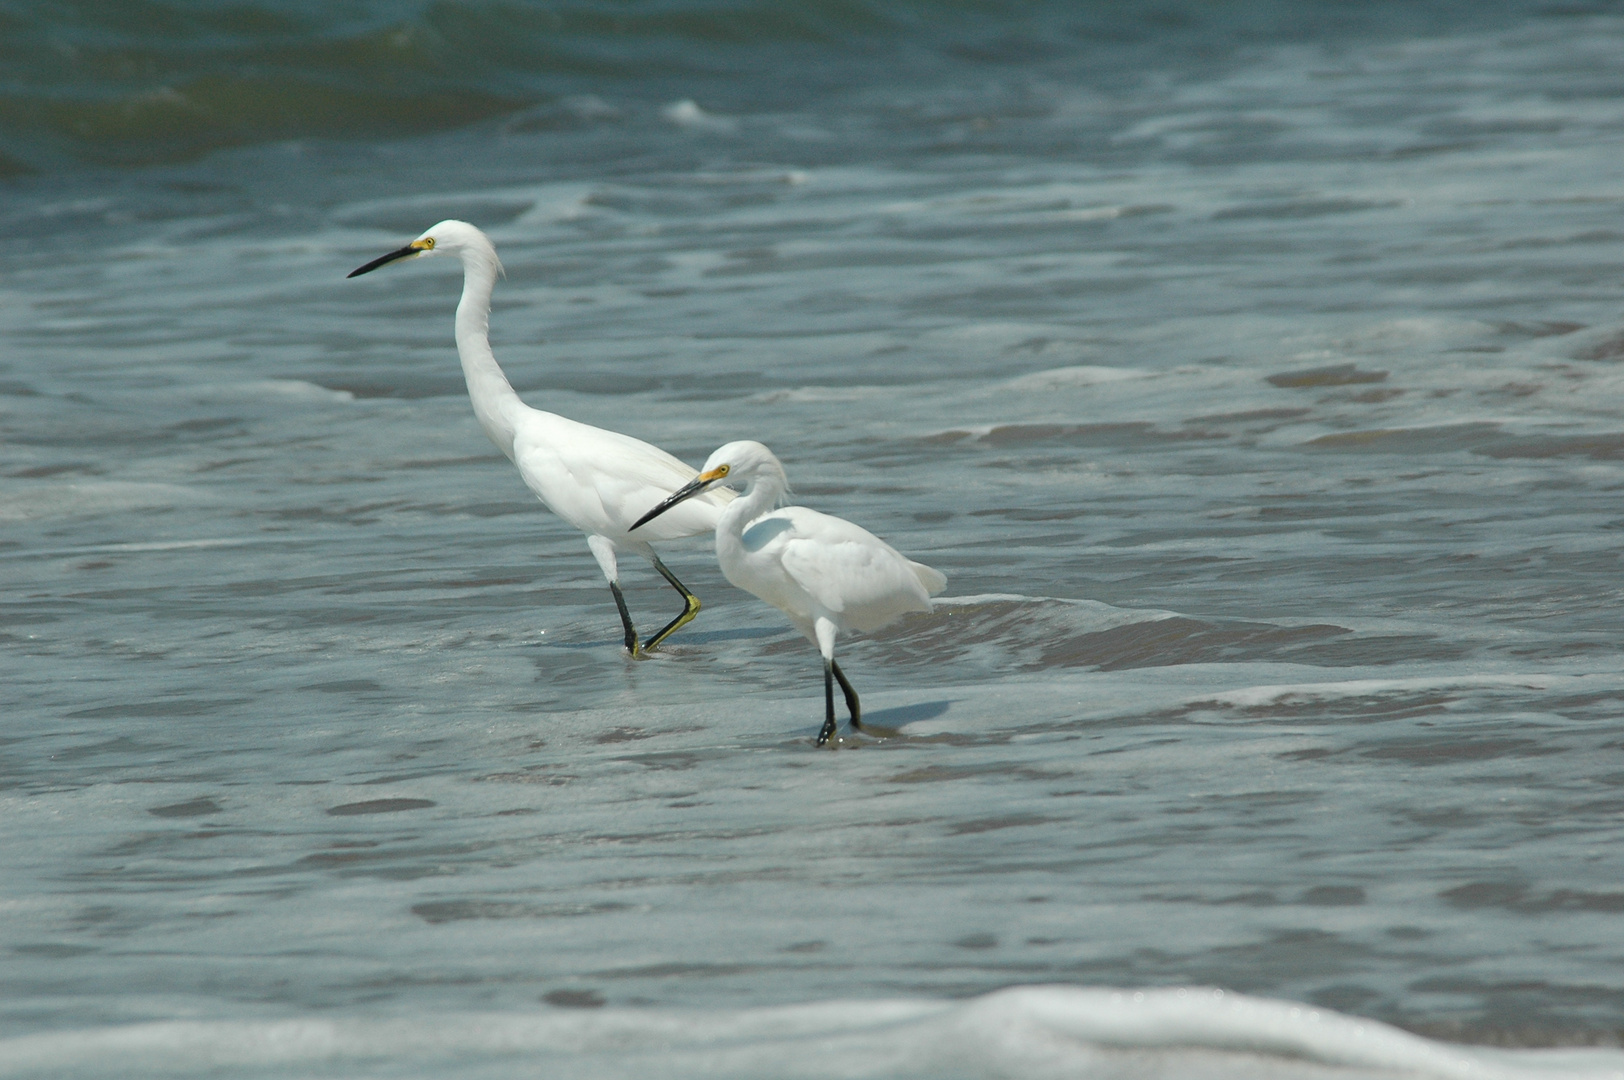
1261	403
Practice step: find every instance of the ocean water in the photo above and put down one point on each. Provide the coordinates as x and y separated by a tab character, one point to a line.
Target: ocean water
1253	372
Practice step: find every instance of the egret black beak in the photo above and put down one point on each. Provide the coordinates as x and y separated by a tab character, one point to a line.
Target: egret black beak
413	248
693	487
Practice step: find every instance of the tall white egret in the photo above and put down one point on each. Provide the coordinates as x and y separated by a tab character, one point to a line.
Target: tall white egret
594	479
828	575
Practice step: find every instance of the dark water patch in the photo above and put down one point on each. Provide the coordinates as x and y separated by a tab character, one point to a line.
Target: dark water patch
55	950
1290	209
623	734
1282	956
1022	513
1514	1035
1180	640
176	708
1333	896
409	217
898	715
388	863
994	824
1444	439
1457	127
379	806
1030	634
1344	997
162	79
191	116
118	745
396	778
574	999
1605	446
344	686
1251	416
1520	898
679	971
444	911
40	472
544	775
1527	1012
1449	750
436	464
1538	329
495	510
1308	706
666	761
977	942
1336	375
1609	348
1361	650
168	844
207	425
1449	817
199	807
938	774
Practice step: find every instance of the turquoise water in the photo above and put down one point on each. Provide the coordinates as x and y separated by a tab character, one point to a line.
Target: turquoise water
1252	375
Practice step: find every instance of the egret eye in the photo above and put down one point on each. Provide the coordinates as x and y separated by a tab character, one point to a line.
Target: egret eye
722	470
428	243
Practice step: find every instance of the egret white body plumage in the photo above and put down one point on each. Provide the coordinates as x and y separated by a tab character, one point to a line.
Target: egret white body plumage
596	480
828	575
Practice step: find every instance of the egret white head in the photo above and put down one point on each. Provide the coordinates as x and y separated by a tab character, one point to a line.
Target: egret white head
745	464
447	238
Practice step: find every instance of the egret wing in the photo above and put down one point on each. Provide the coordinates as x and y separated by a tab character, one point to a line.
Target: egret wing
849	571
608	480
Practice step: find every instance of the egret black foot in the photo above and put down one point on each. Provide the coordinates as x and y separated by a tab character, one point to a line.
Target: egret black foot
853	706
828	731
626	621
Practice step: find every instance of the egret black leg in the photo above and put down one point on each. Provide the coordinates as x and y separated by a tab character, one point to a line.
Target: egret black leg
690	608
625	619
828	703
852	705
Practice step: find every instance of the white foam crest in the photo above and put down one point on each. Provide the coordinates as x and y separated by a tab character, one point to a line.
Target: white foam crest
514	205
159	545
1076	375
1096	606
1411	333
687	114
1037	1031
291	389
817	394
1211	1019
38	500
1257	696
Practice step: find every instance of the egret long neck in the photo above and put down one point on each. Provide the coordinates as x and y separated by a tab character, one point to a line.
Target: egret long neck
761	496
488	388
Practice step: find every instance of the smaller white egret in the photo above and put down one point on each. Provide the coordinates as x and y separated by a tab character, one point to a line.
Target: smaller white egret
828	575
594	479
